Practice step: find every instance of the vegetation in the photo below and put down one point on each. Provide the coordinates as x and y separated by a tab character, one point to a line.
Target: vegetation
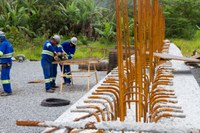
94	50
28	23
188	46
182	17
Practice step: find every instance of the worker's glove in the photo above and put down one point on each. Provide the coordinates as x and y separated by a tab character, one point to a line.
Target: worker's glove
59	55
56	57
64	56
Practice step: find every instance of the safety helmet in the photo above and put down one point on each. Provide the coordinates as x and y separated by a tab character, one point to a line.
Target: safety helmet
166	41
56	38
74	40
2	35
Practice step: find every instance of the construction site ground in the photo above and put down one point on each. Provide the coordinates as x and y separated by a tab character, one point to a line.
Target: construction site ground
25	102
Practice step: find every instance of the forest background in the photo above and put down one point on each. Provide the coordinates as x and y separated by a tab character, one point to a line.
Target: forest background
28	23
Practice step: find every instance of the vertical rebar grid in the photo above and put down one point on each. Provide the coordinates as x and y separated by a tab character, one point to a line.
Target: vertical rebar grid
149	31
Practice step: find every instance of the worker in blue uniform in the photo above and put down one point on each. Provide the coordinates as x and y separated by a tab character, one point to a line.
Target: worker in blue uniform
58	50
6	53
69	49
48	56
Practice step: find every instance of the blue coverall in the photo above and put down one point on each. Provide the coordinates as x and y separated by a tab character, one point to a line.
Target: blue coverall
69	51
57	49
6	53
46	62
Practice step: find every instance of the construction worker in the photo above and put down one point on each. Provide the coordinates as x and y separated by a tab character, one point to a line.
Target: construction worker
69	48
6	53
48	56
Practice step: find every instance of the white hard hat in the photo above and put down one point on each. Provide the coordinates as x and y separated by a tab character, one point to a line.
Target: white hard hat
74	40
2	33
166	41
57	38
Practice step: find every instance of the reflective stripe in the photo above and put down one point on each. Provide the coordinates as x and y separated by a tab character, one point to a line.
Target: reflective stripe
71	55
60	46
51	79
5	81
47	52
47	80
1	53
54	78
67	75
64	52
66	57
9	55
48	44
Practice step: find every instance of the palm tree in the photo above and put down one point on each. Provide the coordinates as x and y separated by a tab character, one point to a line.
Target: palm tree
82	14
30	5
13	15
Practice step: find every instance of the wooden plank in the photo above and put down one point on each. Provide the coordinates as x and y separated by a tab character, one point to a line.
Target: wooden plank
78	61
196	56
36	81
174	57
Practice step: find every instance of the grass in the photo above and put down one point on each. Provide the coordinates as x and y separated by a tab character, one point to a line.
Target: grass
34	52
30	53
93	49
187	46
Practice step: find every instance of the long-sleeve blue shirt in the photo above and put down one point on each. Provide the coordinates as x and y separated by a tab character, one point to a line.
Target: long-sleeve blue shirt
48	51
6	51
58	48
69	50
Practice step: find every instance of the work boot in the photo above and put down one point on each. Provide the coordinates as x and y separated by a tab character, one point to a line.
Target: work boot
50	91
54	87
68	84
6	94
64	83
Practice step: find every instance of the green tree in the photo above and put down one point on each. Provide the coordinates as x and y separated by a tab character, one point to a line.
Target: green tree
14	15
81	15
182	16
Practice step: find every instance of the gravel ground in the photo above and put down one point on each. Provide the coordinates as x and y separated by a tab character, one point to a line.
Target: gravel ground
196	73
24	104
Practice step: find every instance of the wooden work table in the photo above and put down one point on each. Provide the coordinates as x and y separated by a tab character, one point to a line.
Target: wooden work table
81	61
